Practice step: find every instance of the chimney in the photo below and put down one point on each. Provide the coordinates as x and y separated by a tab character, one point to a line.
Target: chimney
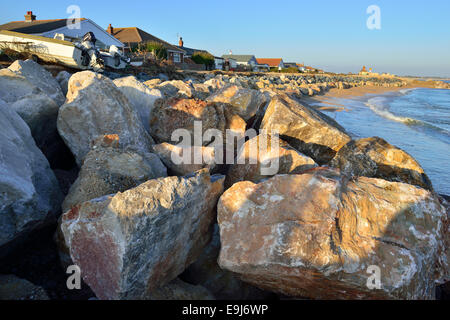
110	29
29	17
180	42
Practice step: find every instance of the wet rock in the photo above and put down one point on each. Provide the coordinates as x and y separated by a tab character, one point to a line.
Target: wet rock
29	191
315	235
131	243
94	107
307	130
264	156
14	288
375	157
109	169
140	96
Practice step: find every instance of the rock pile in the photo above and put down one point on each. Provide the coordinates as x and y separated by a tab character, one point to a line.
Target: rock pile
336	218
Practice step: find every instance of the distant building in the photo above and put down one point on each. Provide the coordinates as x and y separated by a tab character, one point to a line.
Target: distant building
364	72
218	63
133	36
188	51
58	27
273	63
248	61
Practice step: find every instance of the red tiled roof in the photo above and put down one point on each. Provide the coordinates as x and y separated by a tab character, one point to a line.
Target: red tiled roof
136	35
270	62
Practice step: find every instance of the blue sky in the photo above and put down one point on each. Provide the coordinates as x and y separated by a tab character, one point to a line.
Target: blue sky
414	37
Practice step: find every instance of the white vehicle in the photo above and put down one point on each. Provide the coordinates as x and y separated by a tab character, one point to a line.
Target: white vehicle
81	54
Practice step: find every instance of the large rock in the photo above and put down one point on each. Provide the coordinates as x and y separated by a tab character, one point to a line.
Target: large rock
63	78
173	157
39	77
14	288
176	89
40	113
171	114
29	191
14	86
307	130
131	243
314	235
374	157
264	156
141	97
94	107
109	169
246	102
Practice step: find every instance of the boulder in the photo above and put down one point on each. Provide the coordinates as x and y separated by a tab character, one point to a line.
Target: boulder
376	158
15	86
171	114
316	235
131	243
40	113
307	130
109	169
29	191
172	156
152	83
94	107
176	89
180	290
14	288
140	96
264	156
63	80
246	102
39	77
223	284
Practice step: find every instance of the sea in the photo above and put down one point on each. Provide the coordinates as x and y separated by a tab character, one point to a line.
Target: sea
415	120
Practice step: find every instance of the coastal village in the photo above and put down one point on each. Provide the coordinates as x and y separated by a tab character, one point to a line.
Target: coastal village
101	179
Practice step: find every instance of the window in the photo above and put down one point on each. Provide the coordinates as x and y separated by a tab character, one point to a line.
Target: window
176	57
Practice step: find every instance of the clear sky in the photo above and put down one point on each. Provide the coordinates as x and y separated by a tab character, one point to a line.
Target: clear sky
414	38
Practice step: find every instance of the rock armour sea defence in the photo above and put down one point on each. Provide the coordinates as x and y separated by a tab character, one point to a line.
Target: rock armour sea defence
131	243
314	235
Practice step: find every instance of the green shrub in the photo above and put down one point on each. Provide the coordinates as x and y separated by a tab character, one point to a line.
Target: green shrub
157	49
203	58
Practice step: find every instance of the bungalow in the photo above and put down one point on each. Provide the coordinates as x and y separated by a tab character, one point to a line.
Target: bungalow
133	36
188	51
58	27
273	63
218	63
242	60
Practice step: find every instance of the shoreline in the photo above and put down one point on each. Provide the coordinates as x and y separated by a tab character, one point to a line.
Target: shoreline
330	97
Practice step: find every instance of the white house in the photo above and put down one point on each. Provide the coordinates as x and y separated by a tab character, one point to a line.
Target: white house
243	60
218	63
49	28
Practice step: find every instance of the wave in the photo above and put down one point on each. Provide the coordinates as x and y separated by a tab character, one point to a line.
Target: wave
379	106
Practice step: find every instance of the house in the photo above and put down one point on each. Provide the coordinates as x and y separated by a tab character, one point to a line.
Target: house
65	27
364	72
218	63
133	36
273	63
188	51
262	67
248	61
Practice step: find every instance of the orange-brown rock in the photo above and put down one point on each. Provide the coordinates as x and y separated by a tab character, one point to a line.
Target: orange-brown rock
315	235
175	113
374	157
